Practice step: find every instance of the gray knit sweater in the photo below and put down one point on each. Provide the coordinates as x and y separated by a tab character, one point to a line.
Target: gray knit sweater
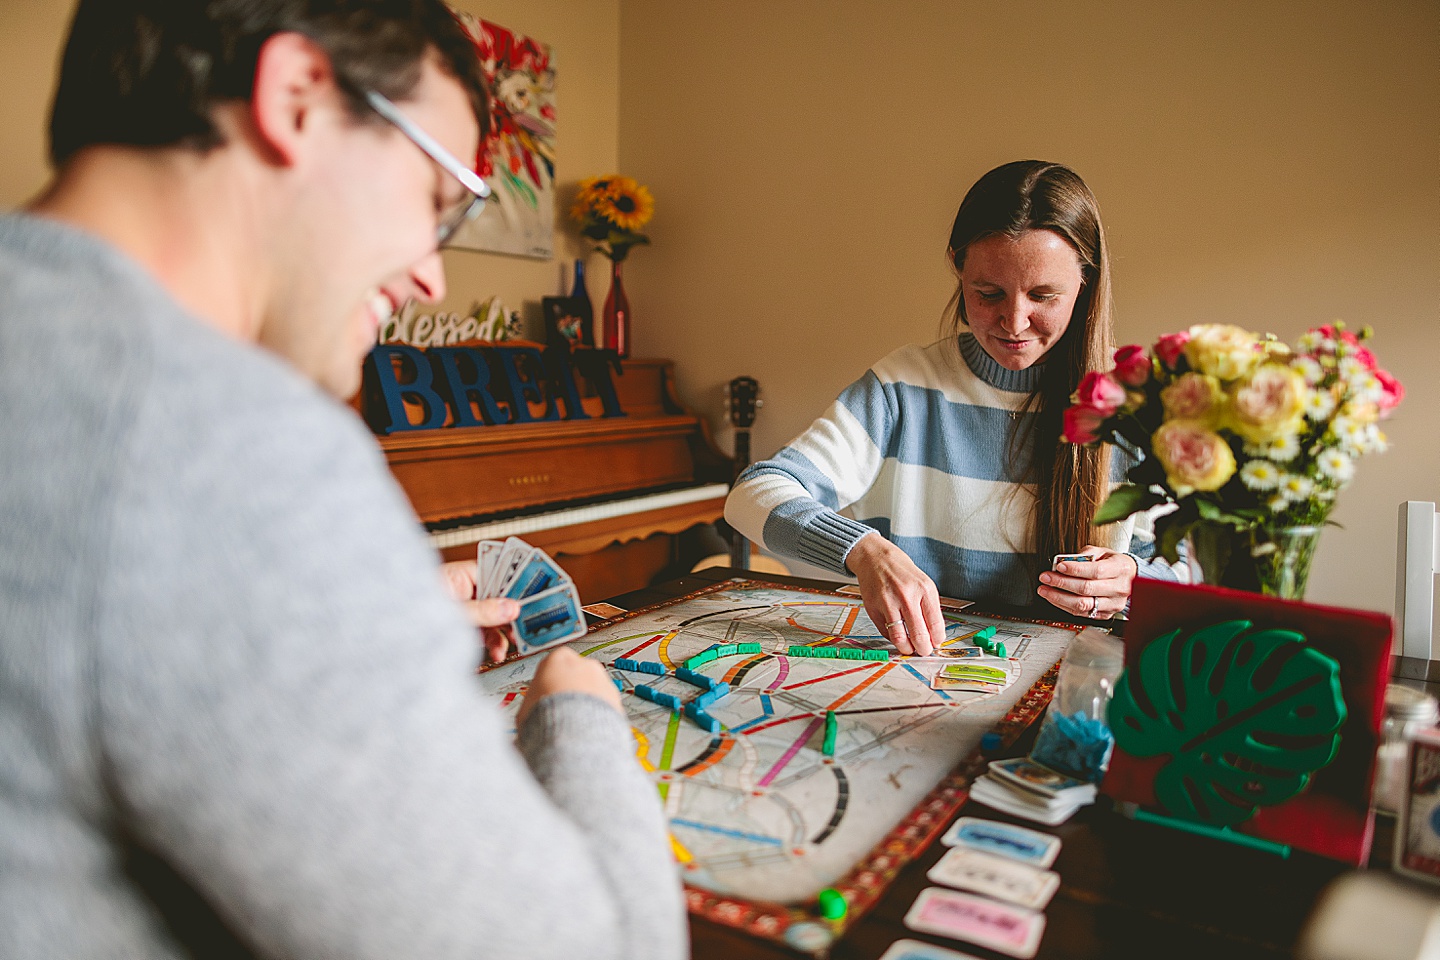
238	715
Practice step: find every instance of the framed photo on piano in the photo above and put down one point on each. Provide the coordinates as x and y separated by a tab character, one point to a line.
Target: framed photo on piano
567	319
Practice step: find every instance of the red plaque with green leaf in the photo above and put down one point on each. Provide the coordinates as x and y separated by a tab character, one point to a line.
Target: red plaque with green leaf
1251	715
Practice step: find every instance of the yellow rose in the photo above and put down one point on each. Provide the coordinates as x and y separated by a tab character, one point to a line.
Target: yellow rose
1194	396
1222	351
1268	404
1195	457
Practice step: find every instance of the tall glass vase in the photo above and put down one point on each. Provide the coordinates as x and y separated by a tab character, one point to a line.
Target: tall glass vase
1273	562
616	318
1282	560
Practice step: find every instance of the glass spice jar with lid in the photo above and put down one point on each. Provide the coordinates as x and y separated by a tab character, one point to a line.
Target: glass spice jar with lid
1406	710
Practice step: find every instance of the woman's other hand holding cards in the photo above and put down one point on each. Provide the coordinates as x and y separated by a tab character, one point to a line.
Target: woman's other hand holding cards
900	599
492	615
1096	588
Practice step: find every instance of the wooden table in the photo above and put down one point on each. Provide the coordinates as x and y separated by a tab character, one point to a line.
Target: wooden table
1128	889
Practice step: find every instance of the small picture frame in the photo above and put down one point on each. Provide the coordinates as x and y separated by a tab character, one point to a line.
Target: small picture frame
1417	833
566	319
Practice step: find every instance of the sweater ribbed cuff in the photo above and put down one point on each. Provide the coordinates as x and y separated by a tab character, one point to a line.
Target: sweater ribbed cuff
570	719
828	538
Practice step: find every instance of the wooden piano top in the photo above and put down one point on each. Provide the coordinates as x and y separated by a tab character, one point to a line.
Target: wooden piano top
456	472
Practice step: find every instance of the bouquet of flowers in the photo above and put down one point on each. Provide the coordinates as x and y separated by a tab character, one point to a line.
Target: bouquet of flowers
611	210
1250	439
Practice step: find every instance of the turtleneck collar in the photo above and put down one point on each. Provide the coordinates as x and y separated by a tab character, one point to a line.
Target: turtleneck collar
984	366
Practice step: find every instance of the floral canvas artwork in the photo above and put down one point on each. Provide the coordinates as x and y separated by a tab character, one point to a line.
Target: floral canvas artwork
517	159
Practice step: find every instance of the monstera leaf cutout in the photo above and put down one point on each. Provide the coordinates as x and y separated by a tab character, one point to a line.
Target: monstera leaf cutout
1247	717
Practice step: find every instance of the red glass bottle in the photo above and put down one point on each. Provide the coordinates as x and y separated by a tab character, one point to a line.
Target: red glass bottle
616	322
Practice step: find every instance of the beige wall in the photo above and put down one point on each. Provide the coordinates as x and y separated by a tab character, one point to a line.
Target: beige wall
585	35
1273	165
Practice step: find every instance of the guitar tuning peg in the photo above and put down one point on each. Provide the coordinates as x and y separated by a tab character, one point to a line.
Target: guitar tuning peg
759	404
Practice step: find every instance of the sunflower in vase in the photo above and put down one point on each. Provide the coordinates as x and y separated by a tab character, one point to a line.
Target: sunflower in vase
611	210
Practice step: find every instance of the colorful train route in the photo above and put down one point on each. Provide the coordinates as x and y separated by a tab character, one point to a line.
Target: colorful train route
784	734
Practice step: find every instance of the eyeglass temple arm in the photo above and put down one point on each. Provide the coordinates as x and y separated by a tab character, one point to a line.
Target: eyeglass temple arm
468	178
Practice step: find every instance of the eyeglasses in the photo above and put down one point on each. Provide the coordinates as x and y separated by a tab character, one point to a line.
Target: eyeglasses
469	207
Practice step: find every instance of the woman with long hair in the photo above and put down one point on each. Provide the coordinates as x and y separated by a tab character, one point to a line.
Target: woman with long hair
942	470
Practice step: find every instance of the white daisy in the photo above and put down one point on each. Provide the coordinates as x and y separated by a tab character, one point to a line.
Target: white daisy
1297	487
1310	341
1336	465
1351	367
1260	475
1319	404
1282	449
1309	368
1278	503
1365	388
1351	433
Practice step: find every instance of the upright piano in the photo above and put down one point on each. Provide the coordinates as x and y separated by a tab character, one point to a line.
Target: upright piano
606	497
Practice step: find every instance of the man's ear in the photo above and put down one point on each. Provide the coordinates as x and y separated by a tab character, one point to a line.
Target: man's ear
293	80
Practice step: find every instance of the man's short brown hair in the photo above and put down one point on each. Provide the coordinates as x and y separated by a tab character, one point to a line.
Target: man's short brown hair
148	72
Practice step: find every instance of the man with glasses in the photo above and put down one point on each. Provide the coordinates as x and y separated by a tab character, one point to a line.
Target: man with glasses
237	710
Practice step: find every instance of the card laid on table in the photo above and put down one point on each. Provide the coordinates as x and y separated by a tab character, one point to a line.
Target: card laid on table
1029	775
1004	840
988	923
920	950
996	877
989	672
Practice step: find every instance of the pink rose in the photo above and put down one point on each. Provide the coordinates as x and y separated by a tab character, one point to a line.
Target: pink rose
1393	392
1101	391
1132	366
1193	396
1170	347
1081	424
1268	404
1194	457
1364	355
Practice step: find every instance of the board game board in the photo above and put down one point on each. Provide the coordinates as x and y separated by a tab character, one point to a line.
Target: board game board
824	773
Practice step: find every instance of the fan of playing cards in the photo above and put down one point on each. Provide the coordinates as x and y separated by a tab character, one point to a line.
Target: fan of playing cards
549	603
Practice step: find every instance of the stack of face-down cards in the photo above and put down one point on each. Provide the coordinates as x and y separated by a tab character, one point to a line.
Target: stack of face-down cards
1002	871
974	675
549	603
1029	790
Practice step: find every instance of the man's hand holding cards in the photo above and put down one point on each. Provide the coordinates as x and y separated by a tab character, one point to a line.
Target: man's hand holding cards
548	603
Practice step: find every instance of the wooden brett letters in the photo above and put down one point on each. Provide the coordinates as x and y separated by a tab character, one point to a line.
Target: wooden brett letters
408	388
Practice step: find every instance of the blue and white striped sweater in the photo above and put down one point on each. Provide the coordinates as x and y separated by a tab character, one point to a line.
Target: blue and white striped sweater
916	449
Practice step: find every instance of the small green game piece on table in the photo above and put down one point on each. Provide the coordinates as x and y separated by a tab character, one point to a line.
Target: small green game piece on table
831	725
832	904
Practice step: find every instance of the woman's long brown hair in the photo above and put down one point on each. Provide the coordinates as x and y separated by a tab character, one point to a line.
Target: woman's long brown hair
1070	481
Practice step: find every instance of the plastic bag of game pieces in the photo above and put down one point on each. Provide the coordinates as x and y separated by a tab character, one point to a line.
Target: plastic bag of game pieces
1075	738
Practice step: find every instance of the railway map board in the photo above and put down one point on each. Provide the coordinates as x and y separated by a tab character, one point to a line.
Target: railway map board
760	812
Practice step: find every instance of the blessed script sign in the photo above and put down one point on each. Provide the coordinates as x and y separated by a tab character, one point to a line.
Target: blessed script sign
407	388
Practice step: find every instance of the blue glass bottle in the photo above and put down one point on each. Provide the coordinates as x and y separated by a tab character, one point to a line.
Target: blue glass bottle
586	311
